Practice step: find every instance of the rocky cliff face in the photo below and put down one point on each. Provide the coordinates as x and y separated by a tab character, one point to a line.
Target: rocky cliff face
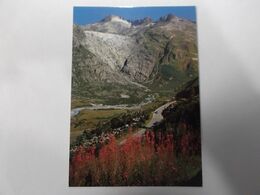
118	51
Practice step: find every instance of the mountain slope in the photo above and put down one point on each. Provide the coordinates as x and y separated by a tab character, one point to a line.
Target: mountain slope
121	53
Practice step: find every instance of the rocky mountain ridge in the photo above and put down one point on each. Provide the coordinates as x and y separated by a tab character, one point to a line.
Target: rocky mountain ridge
122	52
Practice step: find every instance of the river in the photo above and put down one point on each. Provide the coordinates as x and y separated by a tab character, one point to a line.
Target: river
76	111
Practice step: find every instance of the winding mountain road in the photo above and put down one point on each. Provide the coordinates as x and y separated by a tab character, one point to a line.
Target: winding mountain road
157	114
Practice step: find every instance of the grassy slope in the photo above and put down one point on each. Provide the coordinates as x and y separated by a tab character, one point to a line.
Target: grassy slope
89	119
176	59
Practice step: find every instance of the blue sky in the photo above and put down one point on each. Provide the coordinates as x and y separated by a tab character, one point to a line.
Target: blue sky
88	15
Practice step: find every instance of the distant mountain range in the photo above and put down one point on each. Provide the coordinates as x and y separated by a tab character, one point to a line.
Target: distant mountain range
116	55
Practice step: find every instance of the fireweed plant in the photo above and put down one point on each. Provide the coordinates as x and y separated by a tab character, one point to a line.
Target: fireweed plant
146	160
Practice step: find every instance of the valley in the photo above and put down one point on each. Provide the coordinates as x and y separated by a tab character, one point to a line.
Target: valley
124	67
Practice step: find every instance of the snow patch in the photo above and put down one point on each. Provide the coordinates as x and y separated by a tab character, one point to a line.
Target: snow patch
124	96
118	19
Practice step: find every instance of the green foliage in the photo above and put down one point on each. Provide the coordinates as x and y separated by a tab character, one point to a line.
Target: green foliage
169	79
167	71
